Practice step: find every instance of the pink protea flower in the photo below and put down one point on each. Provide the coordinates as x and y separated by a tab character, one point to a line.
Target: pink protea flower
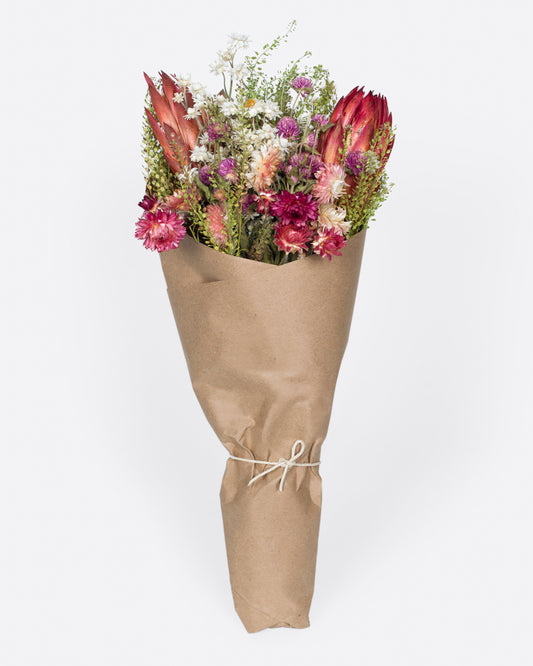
291	238
263	167
331	183
328	242
216	218
160	230
294	208
288	127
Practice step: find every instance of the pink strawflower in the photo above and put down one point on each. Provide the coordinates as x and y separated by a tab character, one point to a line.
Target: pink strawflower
330	183
328	242
288	127
216	218
294	208
291	238
160	230
304	84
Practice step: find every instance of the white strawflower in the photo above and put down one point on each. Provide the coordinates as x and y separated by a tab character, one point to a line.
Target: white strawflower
229	108
183	80
179	97
240	41
333	217
201	154
271	110
217	67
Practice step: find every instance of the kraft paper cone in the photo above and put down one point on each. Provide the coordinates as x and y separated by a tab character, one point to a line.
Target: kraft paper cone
263	346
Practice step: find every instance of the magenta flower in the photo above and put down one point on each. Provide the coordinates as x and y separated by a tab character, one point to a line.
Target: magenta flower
288	128
160	230
328	242
295	208
227	169
290	238
303	84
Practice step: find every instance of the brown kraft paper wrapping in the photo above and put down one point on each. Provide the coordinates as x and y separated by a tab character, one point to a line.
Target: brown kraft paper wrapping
263	346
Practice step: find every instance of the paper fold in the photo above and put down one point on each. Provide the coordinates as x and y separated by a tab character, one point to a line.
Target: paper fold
263	346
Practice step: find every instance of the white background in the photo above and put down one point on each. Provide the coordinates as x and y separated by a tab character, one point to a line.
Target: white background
113	547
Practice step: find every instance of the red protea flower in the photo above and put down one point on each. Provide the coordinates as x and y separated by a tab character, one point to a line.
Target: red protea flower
176	134
291	238
328	242
160	230
294	208
362	115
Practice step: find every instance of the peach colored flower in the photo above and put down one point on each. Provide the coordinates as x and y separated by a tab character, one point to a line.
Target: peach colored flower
263	167
332	217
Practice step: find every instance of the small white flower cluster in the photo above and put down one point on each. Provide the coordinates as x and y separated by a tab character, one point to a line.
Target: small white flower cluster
225	64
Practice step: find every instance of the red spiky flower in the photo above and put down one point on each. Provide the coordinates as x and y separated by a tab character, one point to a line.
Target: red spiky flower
176	133
362	116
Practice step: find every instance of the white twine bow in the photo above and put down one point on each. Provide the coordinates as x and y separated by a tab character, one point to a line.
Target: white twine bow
282	463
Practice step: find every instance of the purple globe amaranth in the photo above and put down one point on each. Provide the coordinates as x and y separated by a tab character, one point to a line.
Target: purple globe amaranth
205	174
303	84
356	161
227	169
288	128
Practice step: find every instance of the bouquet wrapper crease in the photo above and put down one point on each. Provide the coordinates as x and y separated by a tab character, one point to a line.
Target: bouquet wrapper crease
263	346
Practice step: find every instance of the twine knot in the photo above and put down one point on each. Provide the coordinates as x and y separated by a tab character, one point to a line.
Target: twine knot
297	450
